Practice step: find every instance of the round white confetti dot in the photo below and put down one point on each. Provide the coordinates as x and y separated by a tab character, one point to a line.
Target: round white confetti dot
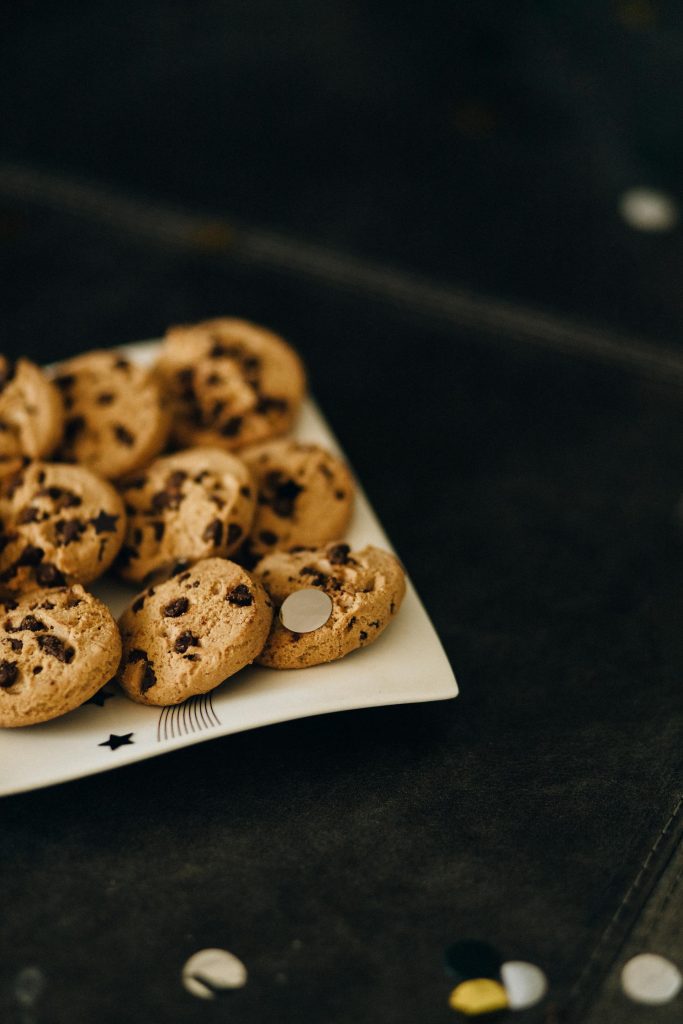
305	610
652	979
211	971
525	984
647	210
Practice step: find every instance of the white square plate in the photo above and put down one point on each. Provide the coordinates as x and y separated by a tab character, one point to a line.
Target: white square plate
407	664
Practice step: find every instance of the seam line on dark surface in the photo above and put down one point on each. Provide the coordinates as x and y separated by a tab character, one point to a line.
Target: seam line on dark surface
219	238
609	934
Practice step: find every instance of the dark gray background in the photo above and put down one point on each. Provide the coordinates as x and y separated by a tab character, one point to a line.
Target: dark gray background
532	495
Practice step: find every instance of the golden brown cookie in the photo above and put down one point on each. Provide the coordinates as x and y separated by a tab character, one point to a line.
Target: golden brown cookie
304	496
115	419
231	383
59	524
188	634
196	504
31	411
365	588
57	648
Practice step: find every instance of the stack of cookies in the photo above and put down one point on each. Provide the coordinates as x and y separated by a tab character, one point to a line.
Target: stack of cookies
180	479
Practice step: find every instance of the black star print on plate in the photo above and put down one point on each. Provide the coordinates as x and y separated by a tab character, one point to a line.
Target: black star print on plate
104	523
100	697
116	741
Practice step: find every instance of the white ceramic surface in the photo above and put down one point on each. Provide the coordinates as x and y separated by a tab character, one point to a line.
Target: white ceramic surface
406	664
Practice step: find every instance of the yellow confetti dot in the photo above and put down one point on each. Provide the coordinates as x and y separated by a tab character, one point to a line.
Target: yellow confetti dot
478	996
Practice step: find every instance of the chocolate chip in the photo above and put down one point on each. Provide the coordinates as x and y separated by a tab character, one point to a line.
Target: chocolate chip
221	350
267	403
48	575
340	495
16	645
339	554
149	679
8	672
31	555
106	398
201	476
352	622
122	363
137	605
214	532
362	635
10	484
234	533
123	436
267	537
47	605
232	426
319	579
184	641
135	654
8	574
57	648
191	657
185	576
280	493
68	530
159	529
29	514
104	522
245	491
37	670
31	623
166	500
240	596
65	382
176	478
137	537
73	427
60	496
9	603
213	379
175	608
7	538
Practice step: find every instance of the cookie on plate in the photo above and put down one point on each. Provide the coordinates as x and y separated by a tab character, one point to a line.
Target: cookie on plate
57	648
188	634
231	383
304	496
31	411
58	524
115	419
196	504
365	590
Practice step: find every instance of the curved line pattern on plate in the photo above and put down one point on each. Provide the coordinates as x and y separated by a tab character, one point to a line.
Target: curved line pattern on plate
193	715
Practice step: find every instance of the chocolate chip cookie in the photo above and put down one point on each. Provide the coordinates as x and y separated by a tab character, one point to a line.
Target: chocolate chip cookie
304	496
231	383
196	504
188	634
57	648
31	411
58	524
115	419
366	589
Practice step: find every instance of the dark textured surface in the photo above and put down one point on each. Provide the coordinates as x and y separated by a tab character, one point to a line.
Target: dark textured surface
533	501
532	498
483	143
